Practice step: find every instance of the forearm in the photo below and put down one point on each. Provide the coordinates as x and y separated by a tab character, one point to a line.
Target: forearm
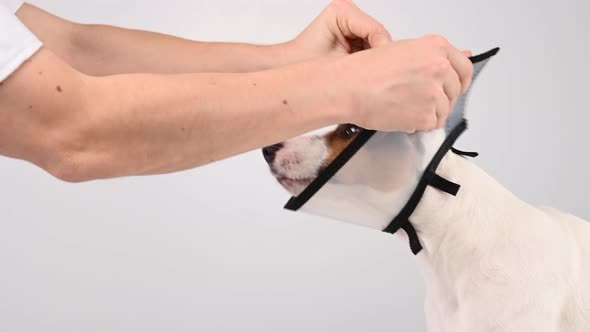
160	124
82	128
105	50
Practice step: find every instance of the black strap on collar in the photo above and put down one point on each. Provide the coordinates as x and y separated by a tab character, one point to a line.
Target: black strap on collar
429	178
465	153
415	244
445	185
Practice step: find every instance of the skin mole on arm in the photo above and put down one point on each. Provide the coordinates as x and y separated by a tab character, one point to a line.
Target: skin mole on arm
58	88
285	102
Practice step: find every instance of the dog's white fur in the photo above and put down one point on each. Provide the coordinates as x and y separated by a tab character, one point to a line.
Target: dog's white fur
300	159
492	262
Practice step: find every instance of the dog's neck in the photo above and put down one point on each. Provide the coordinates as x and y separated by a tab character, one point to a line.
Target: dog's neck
457	232
440	217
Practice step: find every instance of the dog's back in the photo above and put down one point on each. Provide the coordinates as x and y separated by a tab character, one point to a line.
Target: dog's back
576	311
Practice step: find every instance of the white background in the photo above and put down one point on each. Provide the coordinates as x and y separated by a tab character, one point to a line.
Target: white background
212	250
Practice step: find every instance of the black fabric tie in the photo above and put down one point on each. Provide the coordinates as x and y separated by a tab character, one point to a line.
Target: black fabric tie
429	178
465	153
441	184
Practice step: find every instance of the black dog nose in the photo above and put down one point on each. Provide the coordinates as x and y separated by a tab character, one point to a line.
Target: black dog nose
270	152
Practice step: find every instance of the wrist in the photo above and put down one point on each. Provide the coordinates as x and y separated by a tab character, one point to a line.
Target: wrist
330	81
282	54
308	90
295	51
327	89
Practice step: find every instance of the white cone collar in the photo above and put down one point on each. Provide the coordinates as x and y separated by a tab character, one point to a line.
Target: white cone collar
379	178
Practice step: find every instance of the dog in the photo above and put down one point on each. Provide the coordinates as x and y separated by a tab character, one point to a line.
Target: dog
491	262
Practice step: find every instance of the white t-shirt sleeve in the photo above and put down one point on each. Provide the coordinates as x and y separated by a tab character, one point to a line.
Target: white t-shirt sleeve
17	43
12	5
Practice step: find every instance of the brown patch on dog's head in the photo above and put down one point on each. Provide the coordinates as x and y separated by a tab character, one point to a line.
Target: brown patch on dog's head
339	139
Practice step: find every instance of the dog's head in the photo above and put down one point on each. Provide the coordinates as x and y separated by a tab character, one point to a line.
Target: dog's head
297	162
388	162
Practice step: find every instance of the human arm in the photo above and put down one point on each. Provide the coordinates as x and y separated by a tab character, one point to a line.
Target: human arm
80	127
102	50
342	28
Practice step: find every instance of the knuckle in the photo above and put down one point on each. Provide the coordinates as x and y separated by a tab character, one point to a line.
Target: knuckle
454	92
425	120
437	40
444	112
380	28
469	72
470	69
433	92
337	4
439	66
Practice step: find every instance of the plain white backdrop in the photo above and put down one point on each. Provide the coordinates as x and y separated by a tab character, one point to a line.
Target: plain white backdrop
212	250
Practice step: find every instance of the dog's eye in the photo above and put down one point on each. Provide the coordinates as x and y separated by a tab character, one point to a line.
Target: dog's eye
350	130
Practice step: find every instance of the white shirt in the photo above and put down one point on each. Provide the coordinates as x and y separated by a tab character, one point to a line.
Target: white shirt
17	43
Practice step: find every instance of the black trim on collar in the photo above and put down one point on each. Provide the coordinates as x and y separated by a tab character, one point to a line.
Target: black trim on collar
484	56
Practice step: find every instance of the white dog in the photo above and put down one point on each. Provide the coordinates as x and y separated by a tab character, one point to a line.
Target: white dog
491	262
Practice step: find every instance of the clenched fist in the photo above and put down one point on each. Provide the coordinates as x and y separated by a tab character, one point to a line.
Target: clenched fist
342	28
408	85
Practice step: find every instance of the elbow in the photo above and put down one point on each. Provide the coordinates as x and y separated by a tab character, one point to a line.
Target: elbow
80	166
70	166
74	154
67	175
69	170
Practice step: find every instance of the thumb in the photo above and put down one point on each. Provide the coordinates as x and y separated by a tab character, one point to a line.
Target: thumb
379	39
353	23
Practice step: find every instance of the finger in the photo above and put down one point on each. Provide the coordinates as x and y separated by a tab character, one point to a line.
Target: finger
462	66
354	23
443	109
467	53
425	121
452	87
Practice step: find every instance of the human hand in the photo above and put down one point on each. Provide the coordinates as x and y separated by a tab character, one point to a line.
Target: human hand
342	28
410	85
